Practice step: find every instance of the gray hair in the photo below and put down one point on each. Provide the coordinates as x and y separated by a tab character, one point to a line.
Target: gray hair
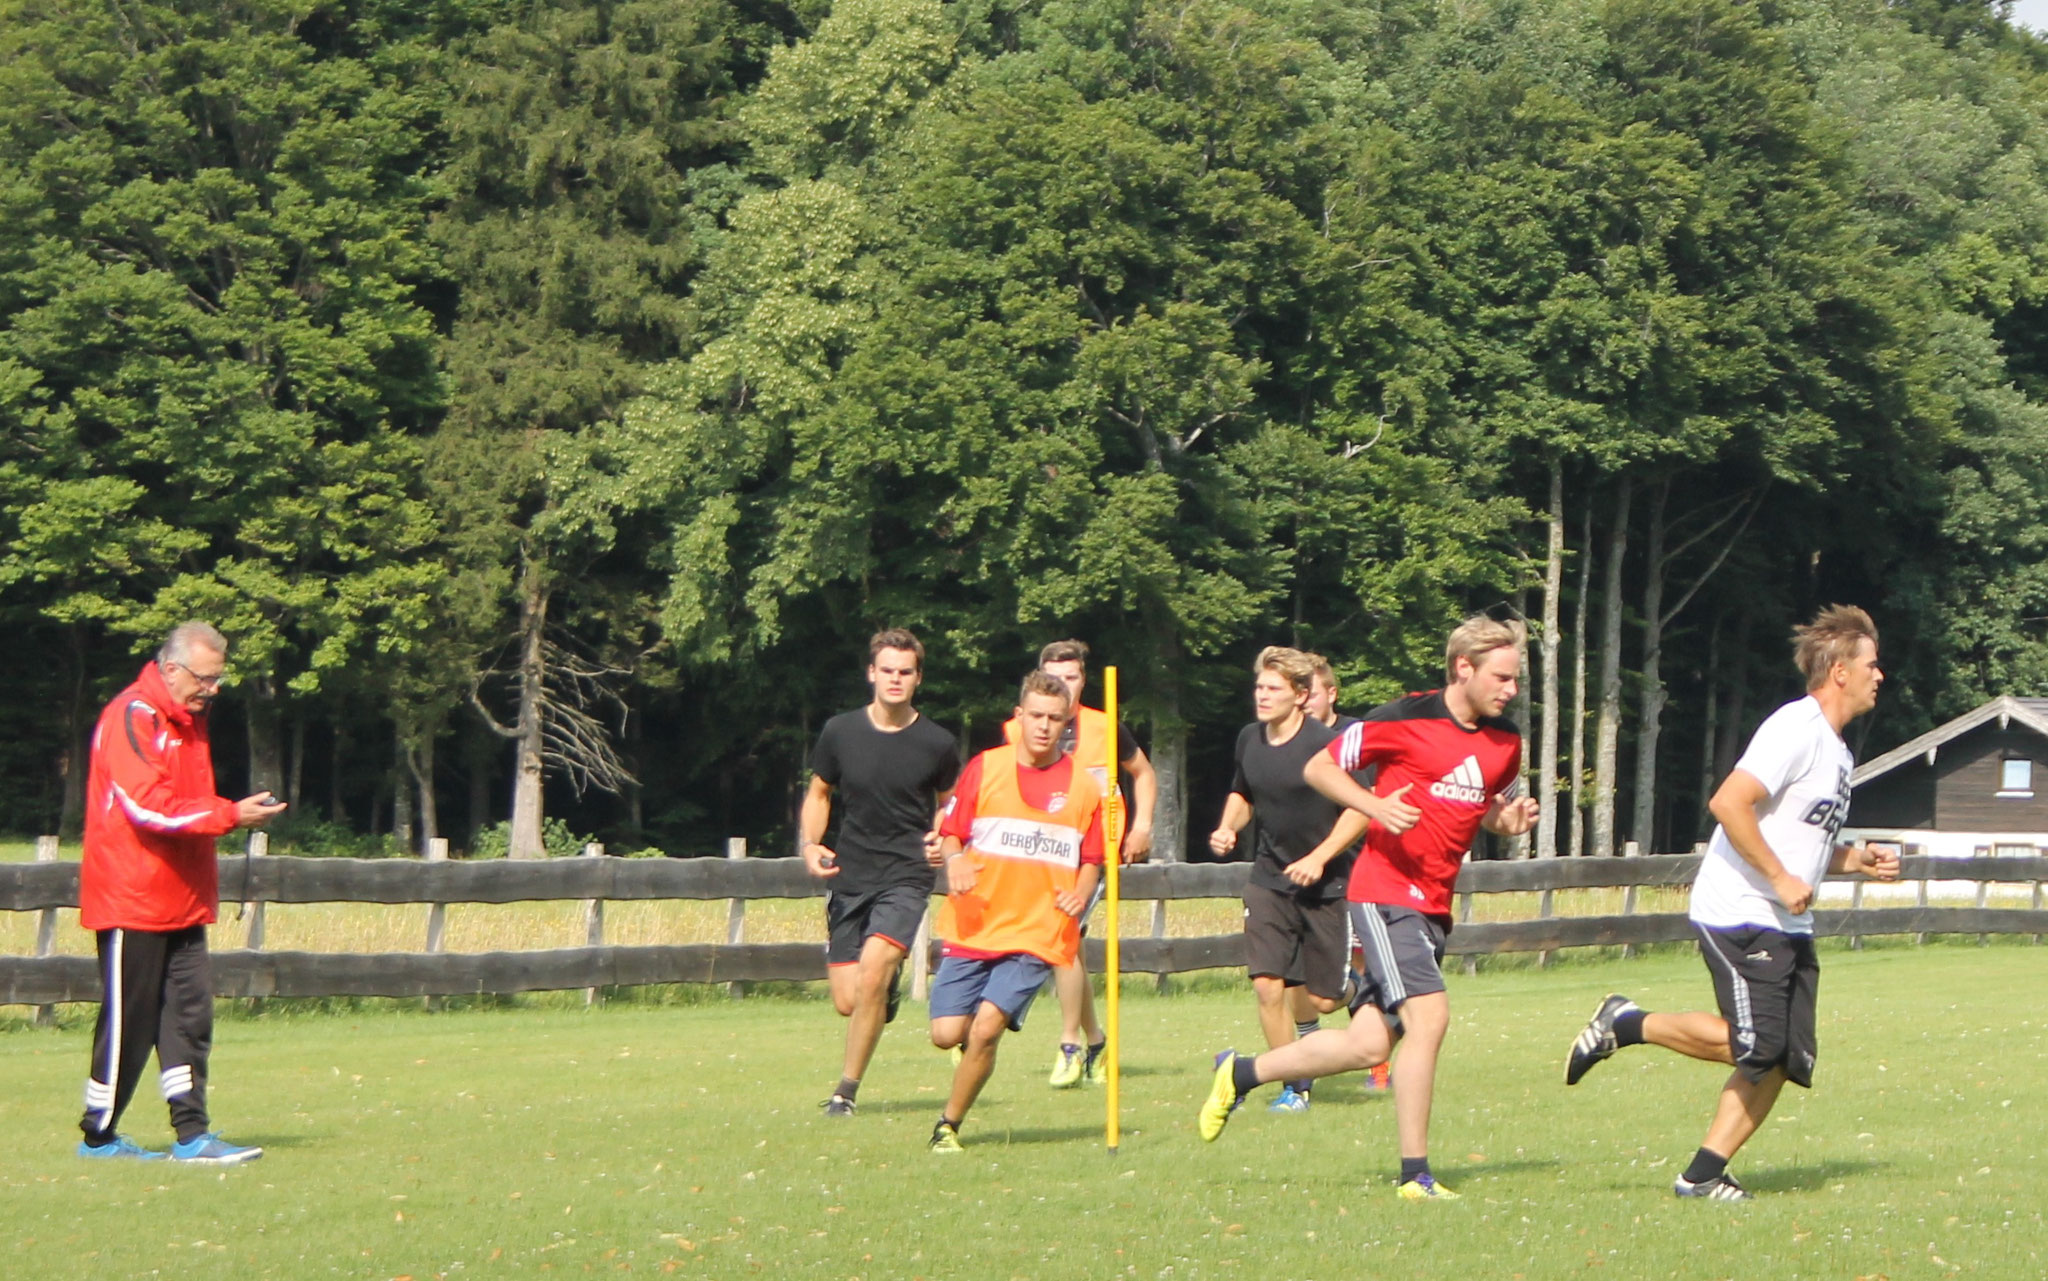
186	637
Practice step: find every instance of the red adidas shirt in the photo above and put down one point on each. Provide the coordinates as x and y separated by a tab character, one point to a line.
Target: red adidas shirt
1455	774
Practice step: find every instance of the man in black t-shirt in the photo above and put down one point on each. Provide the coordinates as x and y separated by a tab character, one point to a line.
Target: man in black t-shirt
892	771
1294	917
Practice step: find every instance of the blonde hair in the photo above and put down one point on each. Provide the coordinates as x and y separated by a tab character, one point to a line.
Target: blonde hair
1292	665
1829	639
1324	672
1477	637
1040	681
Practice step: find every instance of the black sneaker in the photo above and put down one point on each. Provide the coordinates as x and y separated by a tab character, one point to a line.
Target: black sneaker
1719	1188
1596	1042
838	1105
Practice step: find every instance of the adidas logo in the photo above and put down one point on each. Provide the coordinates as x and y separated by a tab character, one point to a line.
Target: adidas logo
1464	783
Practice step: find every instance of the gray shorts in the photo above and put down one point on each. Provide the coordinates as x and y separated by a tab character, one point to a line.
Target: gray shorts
1095	898
1404	952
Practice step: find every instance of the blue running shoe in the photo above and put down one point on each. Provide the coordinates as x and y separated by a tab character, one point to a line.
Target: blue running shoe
118	1148
1290	1100
211	1149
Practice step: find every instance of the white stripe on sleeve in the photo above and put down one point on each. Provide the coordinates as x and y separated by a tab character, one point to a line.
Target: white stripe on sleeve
150	818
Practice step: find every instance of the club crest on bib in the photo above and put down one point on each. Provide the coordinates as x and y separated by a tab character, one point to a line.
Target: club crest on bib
1056	802
1465	784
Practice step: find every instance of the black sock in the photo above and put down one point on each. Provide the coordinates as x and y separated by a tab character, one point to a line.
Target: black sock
99	1139
1413	1168
1068	1047
1304	1027
1628	1027
848	1088
947	1120
1301	1086
1244	1074
1095	1051
1705	1165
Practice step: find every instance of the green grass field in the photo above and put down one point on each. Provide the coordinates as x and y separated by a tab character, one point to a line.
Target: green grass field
642	1138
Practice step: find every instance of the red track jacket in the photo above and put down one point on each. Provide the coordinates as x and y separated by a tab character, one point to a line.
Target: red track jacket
150	815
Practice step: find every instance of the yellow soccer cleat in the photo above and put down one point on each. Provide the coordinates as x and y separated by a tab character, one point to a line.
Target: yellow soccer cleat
1066	1067
945	1138
1426	1188
1223	1098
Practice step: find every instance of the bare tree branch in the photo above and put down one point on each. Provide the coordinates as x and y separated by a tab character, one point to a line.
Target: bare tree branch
1755	505
575	742
476	701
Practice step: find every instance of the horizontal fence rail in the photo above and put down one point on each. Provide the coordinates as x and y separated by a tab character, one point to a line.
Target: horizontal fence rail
46	886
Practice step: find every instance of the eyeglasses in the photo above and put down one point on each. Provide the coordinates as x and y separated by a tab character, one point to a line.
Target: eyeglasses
205	682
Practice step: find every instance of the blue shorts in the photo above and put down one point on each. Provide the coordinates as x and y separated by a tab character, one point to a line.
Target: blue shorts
1006	982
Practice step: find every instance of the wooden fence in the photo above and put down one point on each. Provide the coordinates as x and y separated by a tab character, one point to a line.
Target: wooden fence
47	886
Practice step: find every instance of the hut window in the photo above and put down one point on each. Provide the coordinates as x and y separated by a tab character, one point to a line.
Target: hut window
2015	778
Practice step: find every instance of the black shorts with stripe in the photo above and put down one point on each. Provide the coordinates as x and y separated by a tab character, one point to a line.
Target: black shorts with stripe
1404	953
893	913
1767	983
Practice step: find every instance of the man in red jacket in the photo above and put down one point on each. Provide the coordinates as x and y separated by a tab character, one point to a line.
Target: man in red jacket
148	890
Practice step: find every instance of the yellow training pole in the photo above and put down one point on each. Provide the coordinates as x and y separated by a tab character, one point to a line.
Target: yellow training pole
1112	858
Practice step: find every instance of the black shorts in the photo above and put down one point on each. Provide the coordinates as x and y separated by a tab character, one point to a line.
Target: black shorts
1300	941
1404	953
1766	982
893	912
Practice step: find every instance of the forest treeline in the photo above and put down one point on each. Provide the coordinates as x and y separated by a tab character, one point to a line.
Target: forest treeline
549	396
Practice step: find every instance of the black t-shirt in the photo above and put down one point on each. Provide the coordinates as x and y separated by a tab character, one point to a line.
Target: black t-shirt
886	791
1289	818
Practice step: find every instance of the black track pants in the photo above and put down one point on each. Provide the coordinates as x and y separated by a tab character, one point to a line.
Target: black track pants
157	994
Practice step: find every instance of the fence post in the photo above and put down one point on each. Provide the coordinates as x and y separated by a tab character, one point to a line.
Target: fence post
1628	908
46	927
1161	980
259	847
437	913
921	957
593	920
1543	914
2037	907
1983	900
736	913
1465	915
1856	905
1918	939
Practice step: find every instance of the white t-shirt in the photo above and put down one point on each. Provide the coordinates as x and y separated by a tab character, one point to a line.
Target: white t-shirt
1805	766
